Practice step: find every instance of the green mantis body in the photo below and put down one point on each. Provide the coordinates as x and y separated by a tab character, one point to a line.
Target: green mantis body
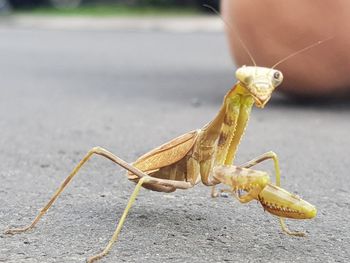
207	156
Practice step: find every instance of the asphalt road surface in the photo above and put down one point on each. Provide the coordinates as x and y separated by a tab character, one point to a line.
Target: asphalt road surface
63	92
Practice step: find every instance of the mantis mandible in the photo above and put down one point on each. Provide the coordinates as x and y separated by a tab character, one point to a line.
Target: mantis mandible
207	155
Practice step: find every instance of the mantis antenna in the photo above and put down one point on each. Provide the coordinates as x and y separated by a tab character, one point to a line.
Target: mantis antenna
230	27
300	51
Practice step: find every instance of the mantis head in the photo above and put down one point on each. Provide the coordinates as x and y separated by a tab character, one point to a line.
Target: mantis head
279	202
259	82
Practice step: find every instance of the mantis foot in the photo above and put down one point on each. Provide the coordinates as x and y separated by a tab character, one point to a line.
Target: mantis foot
14	231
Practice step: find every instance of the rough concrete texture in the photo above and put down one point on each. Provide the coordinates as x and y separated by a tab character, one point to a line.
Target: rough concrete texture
63	92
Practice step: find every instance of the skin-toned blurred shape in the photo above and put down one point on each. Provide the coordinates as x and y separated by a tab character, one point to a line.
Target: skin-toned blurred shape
274	29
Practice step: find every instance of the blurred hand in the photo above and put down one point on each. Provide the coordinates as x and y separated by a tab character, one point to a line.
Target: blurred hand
273	29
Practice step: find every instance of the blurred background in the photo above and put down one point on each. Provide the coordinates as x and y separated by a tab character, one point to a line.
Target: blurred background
8	5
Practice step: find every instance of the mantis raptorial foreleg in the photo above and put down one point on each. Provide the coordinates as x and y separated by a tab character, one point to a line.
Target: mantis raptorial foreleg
251	181
264	157
273	156
253	162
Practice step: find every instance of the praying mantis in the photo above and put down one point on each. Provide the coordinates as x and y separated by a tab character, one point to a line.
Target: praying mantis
207	155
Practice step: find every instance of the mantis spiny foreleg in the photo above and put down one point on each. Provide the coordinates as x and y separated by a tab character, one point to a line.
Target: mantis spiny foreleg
255	161
273	156
251	181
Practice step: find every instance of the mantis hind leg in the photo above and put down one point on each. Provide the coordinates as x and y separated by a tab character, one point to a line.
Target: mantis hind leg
142	179
273	156
95	150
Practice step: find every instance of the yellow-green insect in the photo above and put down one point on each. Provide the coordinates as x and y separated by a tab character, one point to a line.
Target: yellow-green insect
207	156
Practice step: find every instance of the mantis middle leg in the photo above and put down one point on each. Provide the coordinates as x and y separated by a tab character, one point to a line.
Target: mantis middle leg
112	157
121	221
143	178
264	157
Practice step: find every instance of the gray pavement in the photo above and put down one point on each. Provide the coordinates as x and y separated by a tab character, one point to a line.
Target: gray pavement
65	91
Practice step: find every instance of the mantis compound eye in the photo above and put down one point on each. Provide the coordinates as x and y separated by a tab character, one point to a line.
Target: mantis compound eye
277	75
277	78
